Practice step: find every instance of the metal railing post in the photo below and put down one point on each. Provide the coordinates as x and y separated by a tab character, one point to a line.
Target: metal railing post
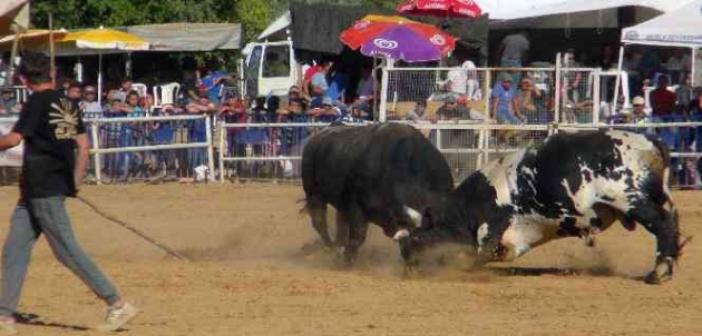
96	154
222	130
383	108
557	107
210	147
596	100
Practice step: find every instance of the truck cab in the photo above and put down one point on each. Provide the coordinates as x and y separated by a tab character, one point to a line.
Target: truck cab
270	68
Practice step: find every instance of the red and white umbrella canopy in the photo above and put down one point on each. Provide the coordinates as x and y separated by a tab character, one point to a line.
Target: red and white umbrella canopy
442	8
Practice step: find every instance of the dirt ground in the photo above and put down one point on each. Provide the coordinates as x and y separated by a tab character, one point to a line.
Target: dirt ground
248	278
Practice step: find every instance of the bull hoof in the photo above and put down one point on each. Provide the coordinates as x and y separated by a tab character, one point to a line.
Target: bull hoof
314	247
662	273
654	279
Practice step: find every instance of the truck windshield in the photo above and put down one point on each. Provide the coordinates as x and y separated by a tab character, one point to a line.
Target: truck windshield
277	61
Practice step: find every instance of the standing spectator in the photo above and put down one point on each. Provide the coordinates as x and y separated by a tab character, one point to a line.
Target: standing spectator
607	57
684	94
502	105
456	81
513	50
662	100
198	128
675	65
8	102
338	85
124	90
73	92
213	83
89	104
319	82
366	86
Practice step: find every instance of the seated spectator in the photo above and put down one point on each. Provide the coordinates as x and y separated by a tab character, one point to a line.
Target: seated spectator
451	110
525	101
89	105
327	112
8	102
419	113
147	104
662	100
636	115
502	106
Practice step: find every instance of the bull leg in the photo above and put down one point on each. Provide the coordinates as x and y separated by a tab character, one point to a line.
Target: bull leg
662	224
318	217
350	233
489	237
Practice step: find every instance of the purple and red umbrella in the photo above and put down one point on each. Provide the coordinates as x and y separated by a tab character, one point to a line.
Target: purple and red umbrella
398	38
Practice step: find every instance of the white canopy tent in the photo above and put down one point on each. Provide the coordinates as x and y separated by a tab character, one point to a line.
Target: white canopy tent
511	10
680	27
13	12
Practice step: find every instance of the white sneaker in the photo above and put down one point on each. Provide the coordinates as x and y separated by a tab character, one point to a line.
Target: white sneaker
117	317
7	326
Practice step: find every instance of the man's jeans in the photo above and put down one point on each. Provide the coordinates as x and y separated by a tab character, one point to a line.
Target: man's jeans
31	218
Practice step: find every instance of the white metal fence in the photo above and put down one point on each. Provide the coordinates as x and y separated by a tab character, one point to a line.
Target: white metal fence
466	146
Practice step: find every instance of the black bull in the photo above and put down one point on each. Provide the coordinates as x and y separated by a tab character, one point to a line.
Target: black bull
572	185
379	173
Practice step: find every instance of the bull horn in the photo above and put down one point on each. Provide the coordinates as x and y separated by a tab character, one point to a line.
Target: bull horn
404	233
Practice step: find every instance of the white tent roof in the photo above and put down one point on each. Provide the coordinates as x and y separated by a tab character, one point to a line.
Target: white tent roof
510	9
282	22
680	27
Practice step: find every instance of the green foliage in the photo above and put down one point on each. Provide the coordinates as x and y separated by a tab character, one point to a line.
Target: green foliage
254	15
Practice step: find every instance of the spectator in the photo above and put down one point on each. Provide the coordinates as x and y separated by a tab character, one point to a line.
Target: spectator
502	106
675	65
213	83
662	100
294	112
354	115
8	102
513	50
338	85
295	93
456	81
525	101
73	92
684	95
452	110
319	82
366	86
307	77
327	112
89	104
131	106
198	128
123	91
419	113
607	58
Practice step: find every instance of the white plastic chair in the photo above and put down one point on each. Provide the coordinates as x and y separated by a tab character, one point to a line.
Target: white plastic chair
166	94
140	88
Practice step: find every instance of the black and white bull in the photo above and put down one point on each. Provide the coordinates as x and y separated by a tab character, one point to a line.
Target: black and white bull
572	185
383	174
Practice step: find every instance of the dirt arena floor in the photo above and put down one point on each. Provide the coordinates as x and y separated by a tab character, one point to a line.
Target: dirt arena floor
248	278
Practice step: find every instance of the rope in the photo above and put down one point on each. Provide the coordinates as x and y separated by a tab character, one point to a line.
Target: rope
121	223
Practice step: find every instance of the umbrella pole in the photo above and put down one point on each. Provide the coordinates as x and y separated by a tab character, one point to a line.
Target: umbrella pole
52	52
100	78
13	55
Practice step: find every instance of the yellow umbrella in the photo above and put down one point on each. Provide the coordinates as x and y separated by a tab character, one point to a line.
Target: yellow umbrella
104	39
33	38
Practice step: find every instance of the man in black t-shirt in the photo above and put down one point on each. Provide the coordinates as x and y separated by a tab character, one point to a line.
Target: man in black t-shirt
54	164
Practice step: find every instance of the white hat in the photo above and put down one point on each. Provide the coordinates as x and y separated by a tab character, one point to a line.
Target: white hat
638	100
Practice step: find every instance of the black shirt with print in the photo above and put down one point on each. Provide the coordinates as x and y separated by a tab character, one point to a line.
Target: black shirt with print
49	123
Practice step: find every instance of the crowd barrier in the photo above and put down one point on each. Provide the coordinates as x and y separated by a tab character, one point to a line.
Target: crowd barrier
273	151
